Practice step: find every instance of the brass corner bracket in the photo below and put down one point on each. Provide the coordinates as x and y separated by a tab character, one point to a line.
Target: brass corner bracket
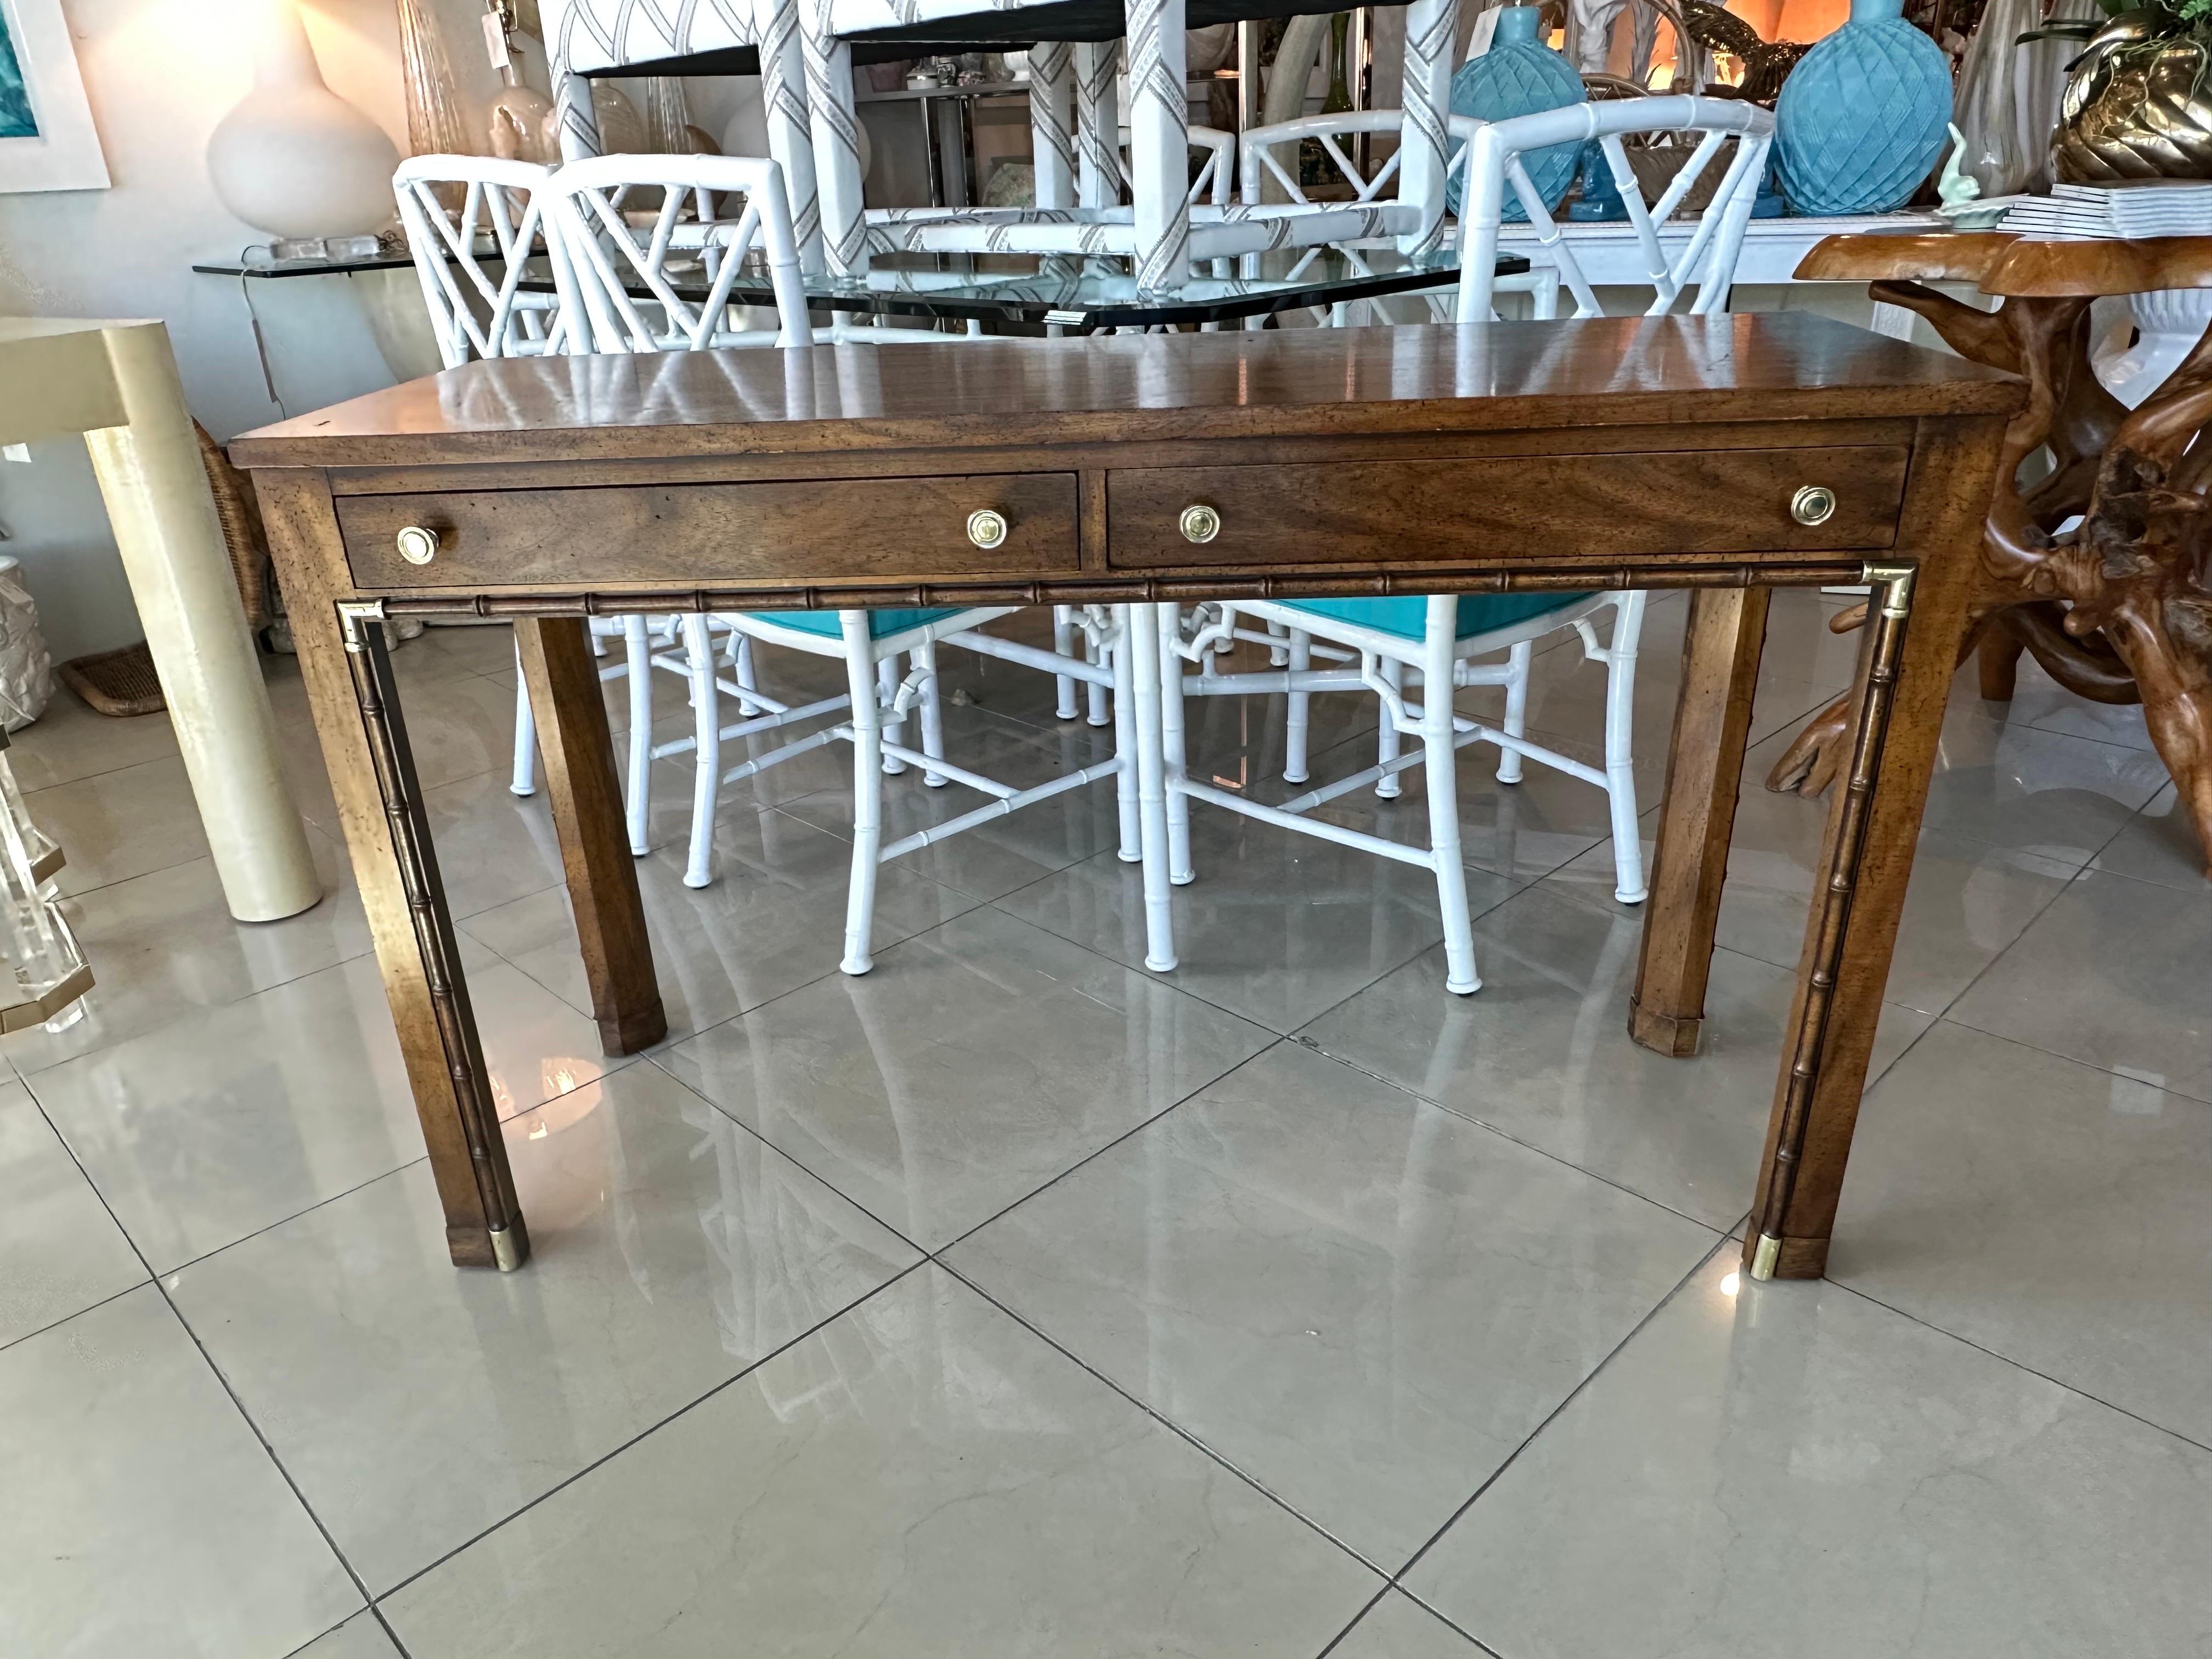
352	613
1896	582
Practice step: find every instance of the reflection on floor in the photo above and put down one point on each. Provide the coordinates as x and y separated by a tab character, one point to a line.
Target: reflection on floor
1013	1300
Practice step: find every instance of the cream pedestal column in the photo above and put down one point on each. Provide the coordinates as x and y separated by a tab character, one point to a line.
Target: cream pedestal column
116	383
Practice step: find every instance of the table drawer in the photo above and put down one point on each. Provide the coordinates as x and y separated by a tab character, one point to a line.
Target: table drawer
725	533
1719	500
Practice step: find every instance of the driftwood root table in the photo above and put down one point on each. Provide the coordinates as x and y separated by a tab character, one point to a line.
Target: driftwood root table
2117	608
1728	455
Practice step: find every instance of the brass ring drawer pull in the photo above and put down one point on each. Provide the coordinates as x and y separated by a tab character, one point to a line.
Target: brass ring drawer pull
1813	504
986	527
417	544
1201	523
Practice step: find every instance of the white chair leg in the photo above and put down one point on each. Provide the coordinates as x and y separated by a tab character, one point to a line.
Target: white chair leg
1440	765
1298	706
1517	709
1143	632
1063	645
1099	714
887	680
741	668
1125	737
1620	757
1278	655
932	711
1386	734
1173	758
639	645
526	736
867	795
707	778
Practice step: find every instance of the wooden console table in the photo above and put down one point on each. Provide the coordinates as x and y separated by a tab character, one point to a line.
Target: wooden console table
1724	454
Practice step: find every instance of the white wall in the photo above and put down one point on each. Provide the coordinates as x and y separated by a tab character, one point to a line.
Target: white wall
159	74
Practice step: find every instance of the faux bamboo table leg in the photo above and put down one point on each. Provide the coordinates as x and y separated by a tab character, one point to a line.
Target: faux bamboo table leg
1917	616
563	679
380	803
1704	768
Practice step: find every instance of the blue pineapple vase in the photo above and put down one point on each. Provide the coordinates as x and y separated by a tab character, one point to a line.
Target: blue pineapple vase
1518	77
1862	117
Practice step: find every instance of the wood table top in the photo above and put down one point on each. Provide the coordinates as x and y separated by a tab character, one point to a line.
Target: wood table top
1998	263
1340	382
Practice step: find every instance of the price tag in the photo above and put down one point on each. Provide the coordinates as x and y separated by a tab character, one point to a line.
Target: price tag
495	41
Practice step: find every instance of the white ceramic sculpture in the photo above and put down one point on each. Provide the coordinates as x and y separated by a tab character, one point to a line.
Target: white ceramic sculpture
294	158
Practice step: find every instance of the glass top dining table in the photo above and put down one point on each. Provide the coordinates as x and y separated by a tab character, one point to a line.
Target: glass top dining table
1075	295
1086	296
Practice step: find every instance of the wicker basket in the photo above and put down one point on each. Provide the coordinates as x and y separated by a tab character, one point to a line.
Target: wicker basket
240	515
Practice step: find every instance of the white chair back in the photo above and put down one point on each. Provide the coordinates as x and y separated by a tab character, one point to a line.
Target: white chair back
1709	256
470	260
1258	158
610	252
1213	182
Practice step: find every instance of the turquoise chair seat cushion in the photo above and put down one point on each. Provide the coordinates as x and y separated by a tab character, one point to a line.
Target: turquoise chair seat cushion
880	622
1409	618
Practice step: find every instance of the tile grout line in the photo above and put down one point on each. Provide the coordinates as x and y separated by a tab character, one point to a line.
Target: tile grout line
1574	1394
1366	1608
1481	1650
305	1209
1481	1646
804	1169
2017	1364
55	1325
1945	1017
223	1383
1090	1157
1168	1423
1313	1046
653	1428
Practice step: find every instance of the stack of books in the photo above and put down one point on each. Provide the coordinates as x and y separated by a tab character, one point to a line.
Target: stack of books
2164	207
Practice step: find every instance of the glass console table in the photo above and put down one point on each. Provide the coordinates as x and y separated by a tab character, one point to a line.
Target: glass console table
1074	295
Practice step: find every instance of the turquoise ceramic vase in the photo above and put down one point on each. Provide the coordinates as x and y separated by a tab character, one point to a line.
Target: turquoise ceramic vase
1518	77
1861	118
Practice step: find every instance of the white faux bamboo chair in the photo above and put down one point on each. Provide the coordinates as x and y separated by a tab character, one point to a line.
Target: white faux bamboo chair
471	260
1379	646
1268	156
1706	255
609	254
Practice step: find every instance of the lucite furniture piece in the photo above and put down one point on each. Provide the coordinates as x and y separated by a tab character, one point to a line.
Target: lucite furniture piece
1724	453
115	383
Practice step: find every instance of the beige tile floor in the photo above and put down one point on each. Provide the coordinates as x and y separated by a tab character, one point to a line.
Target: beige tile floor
1013	1300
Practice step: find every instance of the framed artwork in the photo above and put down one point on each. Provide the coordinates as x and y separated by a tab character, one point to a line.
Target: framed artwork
47	140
